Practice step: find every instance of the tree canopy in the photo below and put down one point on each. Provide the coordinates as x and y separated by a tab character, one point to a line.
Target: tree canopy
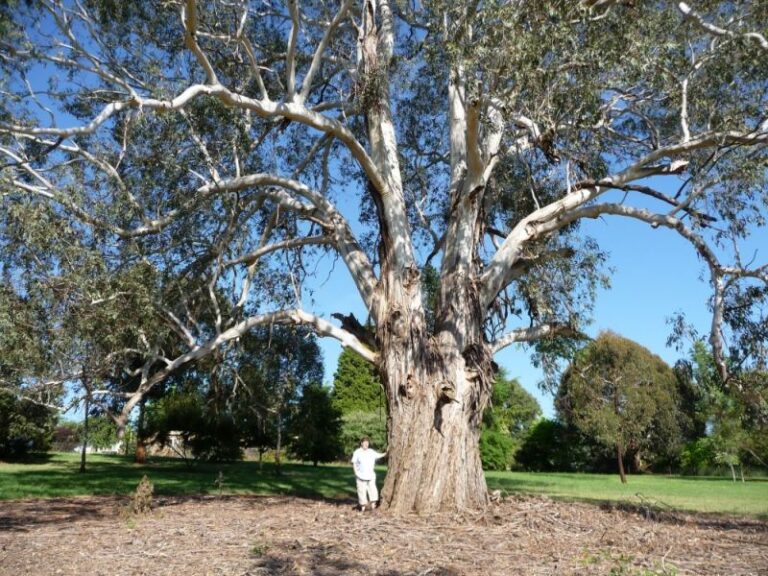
172	172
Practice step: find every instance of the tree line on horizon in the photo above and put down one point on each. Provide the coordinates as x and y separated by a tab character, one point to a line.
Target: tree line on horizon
618	408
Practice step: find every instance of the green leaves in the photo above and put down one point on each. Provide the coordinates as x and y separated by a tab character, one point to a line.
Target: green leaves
620	394
356	387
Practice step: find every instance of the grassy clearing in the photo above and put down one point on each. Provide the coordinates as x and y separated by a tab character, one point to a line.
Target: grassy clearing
56	475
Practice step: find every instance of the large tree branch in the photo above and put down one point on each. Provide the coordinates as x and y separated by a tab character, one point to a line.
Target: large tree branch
535	333
554	215
306	84
189	21
718	272
698	20
263	108
290	57
341	233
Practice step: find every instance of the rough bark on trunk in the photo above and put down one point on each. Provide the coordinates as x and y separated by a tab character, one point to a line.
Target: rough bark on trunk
434	450
437	387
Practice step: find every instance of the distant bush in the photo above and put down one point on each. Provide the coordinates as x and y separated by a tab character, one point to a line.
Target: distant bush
496	450
698	456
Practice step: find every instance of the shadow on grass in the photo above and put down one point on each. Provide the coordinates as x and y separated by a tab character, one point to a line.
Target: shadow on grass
711	520
117	475
32	459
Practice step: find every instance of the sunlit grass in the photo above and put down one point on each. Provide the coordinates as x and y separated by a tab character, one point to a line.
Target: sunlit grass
697	494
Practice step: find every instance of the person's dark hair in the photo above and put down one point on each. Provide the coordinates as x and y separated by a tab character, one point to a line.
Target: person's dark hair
365	439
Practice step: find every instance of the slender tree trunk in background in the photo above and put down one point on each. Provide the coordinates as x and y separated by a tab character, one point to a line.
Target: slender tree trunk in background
85	434
140	456
620	460
279	442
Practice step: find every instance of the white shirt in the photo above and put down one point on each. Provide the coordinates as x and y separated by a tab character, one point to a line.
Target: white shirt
363	462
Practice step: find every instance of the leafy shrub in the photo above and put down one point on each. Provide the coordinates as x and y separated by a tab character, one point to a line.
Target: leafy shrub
496	450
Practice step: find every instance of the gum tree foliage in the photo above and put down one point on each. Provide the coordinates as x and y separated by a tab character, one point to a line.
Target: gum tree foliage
222	146
623	396
27	410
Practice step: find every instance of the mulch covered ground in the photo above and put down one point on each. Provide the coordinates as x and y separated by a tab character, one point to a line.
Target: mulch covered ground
238	536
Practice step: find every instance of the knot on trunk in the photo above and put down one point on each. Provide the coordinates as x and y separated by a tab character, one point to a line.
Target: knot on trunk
409	388
446	392
479	369
397	324
412	277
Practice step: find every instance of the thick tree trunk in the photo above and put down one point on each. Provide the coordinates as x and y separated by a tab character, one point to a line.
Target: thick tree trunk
437	387
434	461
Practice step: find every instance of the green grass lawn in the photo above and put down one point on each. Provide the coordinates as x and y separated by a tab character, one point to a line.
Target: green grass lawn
695	494
57	475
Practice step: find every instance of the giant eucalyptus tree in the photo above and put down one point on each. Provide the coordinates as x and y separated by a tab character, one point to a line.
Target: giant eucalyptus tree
225	140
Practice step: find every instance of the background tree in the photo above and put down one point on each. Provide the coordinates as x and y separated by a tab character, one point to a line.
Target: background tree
219	144
316	426
359	396
735	425
623	396
227	402
506	422
102	432
24	427
356	388
357	424
553	446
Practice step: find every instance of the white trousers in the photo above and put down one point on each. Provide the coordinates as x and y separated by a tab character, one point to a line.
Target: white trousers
366	491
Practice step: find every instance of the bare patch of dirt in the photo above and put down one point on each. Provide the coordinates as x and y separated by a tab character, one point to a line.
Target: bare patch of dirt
239	536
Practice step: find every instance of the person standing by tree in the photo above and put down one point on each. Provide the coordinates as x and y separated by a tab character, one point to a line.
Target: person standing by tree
363	461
